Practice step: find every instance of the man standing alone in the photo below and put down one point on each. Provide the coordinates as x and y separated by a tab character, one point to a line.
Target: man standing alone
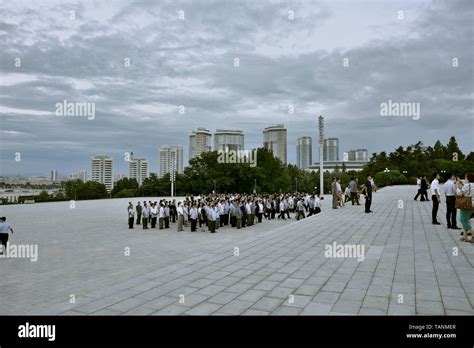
131	215
435	199
368	194
334	194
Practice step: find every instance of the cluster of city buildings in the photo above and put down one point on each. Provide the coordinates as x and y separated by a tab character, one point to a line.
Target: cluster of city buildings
201	141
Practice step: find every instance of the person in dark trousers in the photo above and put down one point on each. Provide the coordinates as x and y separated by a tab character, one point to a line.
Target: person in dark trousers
450	193
435	199
244	214
353	188
131	215
4	229
193	216
368	194
424	189
139	213
418	185
146	216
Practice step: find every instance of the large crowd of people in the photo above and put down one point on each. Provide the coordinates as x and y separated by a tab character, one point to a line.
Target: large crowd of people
217	210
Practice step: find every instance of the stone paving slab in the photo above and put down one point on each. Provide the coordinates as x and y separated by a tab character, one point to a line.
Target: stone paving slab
411	267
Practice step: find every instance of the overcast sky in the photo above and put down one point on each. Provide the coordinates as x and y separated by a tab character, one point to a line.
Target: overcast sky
396	50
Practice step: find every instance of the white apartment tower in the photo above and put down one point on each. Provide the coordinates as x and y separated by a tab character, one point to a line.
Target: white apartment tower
102	171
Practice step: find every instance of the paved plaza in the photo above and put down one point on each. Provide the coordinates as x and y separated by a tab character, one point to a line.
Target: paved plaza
411	267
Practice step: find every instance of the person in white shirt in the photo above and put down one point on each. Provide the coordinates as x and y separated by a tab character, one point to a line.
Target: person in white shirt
282	209
154	214
339	192
193	216
161	213
450	193
131	215
317	205
435	199
418	185
4	229
180	217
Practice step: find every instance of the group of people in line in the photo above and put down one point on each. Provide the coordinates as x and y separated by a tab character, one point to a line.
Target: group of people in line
352	192
453	187
217	210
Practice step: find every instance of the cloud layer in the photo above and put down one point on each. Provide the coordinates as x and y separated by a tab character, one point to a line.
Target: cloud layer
183	53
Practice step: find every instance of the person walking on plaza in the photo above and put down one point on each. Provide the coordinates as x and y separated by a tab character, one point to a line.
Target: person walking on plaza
334	193
139	212
282	210
180	217
300	210
131	215
435	198
146	215
424	189
4	229
353	192
418	185
317	204
368	194
339	193
466	210
347	194
450	193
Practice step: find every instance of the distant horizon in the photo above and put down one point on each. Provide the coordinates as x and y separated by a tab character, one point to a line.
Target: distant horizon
315	146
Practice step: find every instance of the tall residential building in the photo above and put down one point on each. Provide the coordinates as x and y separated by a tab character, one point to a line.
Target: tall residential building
102	171
331	150
362	155
274	139
54	175
227	140
304	152
138	169
199	142
170	157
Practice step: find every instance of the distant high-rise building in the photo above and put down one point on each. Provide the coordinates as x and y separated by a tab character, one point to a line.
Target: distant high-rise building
274	139
227	140
102	171
351	156
362	155
331	150
199	142
138	169
304	152
54	175
81	175
170	157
